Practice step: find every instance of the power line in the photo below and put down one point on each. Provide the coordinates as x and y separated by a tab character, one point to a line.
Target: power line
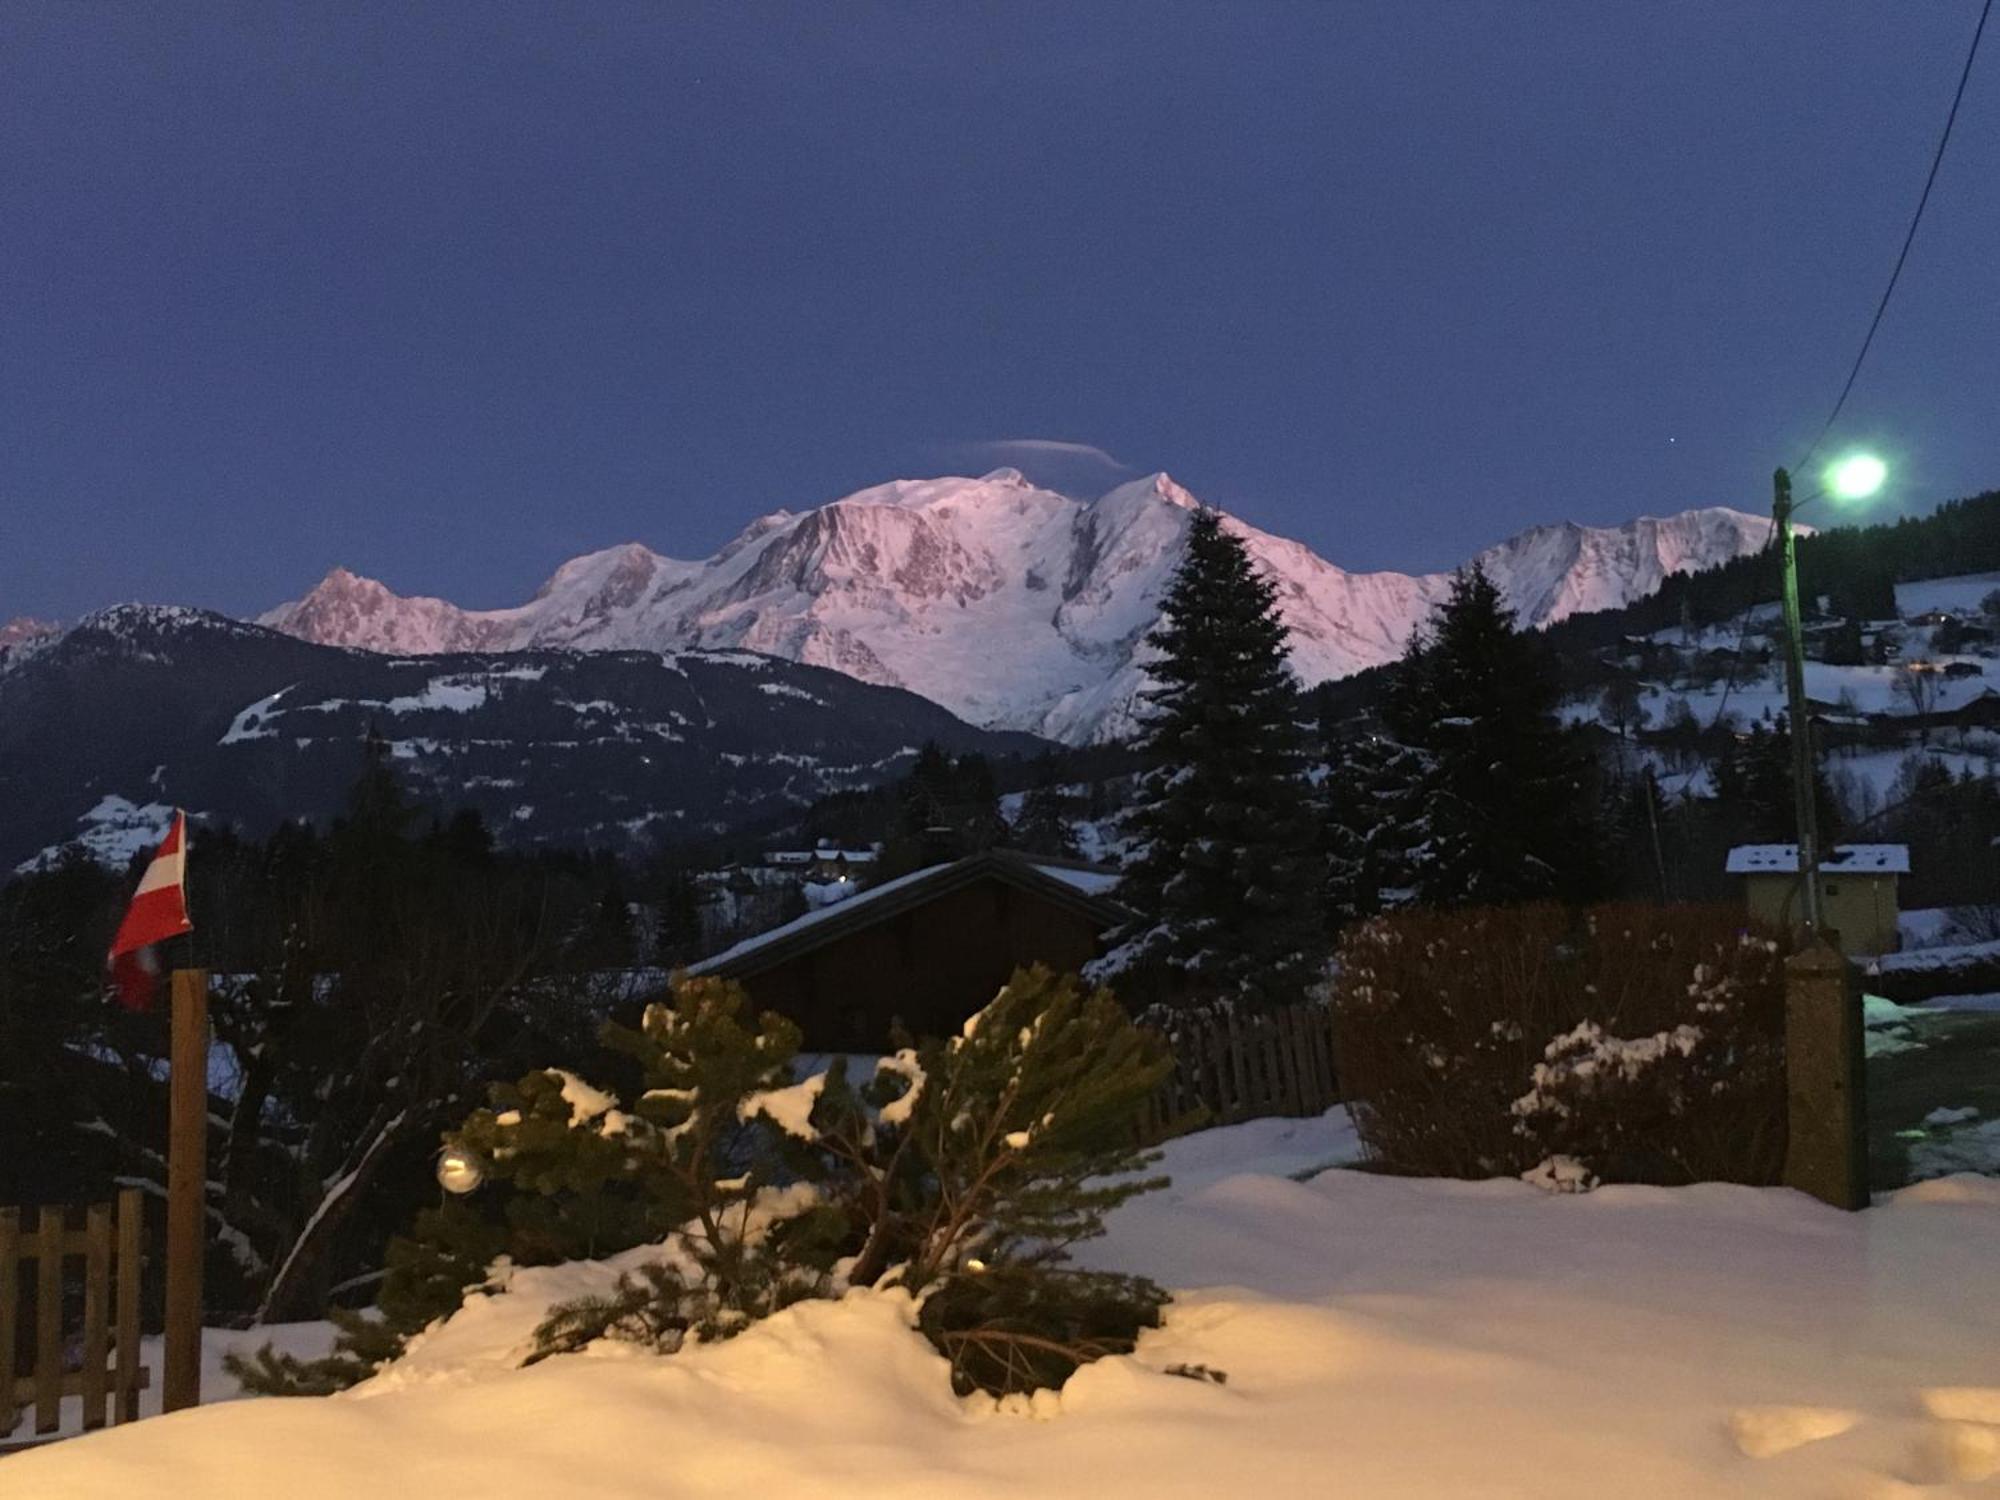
1937	160
1874	324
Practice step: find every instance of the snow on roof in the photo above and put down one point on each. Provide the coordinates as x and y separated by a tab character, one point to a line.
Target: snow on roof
1090	882
1842	859
826	852
811	919
884	896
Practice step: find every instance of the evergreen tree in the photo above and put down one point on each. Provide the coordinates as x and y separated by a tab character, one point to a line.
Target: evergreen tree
1372	817
1042	827
677	929
604	938
1226	876
1505	788
945	809
1753	781
962	1169
1843	646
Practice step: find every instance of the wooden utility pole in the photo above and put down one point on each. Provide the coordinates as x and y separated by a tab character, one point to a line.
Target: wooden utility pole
1805	807
187	1188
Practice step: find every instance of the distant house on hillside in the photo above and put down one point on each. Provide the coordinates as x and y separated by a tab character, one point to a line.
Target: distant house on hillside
928	948
826	862
1857	884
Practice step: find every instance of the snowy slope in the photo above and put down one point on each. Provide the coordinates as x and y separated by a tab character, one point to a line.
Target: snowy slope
1382	1337
1963	594
1013	606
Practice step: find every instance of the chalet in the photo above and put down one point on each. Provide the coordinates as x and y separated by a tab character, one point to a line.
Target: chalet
1981	711
1857	884
927	949
826	862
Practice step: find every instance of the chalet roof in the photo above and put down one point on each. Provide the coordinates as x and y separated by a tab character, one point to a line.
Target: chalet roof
1842	859
1078	887
826	854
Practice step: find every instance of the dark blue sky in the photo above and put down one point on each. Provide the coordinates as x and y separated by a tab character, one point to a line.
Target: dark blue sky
449	293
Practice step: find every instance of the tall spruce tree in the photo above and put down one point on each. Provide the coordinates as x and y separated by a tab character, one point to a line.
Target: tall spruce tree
1753	780
1505	787
1226	877
1372	817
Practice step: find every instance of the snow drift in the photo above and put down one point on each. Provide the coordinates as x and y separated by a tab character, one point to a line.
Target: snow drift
1381	1336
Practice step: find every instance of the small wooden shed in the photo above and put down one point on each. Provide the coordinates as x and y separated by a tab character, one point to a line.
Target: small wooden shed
1857	884
927	949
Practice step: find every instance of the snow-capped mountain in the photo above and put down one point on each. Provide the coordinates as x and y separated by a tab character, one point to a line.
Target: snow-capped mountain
22	638
16	631
1013	606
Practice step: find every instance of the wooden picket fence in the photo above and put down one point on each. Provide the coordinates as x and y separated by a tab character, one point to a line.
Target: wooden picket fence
1239	1065
103	1369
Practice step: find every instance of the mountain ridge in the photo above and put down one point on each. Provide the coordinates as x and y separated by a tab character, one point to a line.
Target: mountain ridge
1014	606
138	708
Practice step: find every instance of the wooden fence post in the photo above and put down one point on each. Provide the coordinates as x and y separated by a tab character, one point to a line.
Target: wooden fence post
187	1179
131	1264
10	1307
96	1312
48	1318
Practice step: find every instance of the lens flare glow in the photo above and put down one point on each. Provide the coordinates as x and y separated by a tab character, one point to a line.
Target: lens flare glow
1856	477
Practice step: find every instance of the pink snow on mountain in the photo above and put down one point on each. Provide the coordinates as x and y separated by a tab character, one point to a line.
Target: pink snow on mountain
1013	606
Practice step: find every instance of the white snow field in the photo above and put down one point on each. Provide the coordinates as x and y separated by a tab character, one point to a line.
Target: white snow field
1382	1337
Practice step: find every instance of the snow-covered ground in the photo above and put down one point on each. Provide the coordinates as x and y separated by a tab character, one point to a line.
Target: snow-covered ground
1759	695
1381	1337
1962	594
1926	927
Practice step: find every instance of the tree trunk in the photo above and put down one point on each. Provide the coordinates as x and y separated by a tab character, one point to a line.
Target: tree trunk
291	1295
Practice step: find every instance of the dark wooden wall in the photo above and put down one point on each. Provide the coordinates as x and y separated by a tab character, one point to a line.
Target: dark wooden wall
930	966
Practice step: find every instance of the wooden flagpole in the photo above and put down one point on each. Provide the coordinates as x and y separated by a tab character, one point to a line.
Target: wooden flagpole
187	1187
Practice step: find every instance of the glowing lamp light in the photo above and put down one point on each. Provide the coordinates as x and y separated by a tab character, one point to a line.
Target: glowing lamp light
1856	477
460	1171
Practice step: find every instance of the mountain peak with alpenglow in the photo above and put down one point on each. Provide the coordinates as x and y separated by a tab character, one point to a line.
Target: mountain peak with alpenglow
1012	605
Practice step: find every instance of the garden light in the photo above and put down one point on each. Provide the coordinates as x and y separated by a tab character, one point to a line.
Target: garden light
460	1171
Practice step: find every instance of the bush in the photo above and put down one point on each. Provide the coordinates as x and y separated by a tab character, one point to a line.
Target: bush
1644	1044
961	1171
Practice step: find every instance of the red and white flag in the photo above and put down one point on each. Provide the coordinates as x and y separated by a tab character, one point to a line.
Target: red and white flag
158	912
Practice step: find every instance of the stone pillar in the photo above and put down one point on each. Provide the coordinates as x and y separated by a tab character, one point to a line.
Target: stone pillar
1826	1150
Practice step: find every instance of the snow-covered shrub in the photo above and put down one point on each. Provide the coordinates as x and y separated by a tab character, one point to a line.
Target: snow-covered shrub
1642	1043
573	1174
960	1170
1014	1140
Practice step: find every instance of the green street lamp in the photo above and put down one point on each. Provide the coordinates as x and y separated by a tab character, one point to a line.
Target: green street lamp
1854	477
